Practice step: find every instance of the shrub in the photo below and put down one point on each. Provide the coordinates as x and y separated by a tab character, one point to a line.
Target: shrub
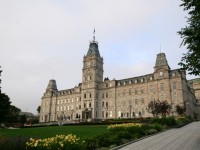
181	120
169	121
91	143
105	140
60	142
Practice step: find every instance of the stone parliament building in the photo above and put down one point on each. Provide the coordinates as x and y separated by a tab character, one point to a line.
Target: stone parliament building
99	99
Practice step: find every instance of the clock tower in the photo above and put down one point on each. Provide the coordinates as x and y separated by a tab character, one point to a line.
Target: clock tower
92	76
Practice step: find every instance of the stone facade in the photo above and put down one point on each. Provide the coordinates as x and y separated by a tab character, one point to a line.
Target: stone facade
98	99
195	85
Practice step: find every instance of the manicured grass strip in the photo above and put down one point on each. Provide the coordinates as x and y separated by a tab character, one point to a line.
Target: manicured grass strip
45	132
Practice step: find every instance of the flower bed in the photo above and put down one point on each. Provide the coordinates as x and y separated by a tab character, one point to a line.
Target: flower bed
59	142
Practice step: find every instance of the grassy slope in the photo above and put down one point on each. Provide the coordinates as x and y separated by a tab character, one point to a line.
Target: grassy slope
44	132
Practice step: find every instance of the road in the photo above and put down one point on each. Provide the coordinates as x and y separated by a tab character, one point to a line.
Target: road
185	138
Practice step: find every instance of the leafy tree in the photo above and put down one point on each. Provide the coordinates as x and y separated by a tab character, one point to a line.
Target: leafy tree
38	109
165	108
23	119
153	108
159	108
13	114
4	106
180	109
191	37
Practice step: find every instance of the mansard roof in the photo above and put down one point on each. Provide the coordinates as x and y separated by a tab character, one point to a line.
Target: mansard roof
93	49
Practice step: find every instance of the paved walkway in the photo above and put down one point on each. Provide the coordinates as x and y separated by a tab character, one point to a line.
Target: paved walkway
185	138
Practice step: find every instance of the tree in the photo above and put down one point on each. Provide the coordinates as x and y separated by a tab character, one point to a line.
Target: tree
38	109
23	119
13	114
4	106
159	108
153	108
180	110
191	37
165	108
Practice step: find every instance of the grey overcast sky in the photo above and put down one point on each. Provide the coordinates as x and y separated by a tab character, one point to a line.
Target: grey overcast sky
45	39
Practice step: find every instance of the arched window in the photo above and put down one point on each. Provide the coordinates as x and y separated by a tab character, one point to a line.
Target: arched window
90	95
85	96
143	111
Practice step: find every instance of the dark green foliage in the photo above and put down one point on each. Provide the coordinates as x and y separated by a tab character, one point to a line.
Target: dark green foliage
38	109
180	109
91	143
4	106
168	121
157	108
23	119
13	114
191	37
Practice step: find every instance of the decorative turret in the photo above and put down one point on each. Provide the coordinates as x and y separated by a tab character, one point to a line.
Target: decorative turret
161	61
161	68
52	87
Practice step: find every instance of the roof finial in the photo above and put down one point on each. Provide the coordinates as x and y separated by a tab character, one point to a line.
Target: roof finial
94	35
160	48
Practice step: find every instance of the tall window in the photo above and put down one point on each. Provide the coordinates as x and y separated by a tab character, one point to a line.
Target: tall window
106	95
162	86
135	91
106	84
90	104
143	111
85	96
106	104
90	95
142	91
136	102
129	92
102	113
142	101
174	86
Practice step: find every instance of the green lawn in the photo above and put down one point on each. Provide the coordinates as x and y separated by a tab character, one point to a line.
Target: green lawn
44	132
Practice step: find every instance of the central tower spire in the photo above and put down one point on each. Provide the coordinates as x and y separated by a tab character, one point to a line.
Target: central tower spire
93	47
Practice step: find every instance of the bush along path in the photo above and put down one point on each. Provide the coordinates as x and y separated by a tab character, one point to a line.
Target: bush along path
116	134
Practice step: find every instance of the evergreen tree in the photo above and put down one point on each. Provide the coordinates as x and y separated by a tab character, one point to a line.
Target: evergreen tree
4	107
191	37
